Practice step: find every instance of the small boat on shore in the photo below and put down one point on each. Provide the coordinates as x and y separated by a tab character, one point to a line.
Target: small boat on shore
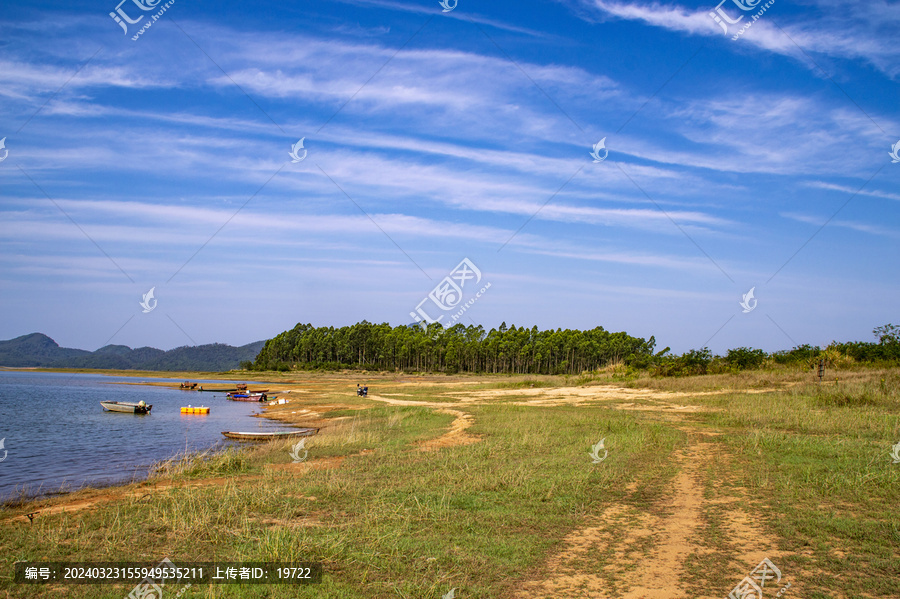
246	397
238	436
127	407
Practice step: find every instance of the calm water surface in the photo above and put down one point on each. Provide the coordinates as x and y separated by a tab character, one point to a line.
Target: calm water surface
57	434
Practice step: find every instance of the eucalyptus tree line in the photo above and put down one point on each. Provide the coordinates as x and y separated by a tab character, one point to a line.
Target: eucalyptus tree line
455	349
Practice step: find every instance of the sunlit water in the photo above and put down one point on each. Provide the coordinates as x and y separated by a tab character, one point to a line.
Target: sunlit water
58	436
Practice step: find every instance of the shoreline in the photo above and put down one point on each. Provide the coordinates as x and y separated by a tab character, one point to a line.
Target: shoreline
141	473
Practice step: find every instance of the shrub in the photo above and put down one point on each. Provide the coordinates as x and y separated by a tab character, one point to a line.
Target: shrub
745	357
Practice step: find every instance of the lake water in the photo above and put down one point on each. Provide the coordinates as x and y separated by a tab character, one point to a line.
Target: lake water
56	433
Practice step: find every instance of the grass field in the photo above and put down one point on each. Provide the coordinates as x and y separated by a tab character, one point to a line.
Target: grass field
485	485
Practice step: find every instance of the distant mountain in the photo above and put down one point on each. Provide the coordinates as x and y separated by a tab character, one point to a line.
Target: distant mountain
37	349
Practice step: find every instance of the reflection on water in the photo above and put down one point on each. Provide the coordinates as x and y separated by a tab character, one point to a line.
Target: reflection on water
56	433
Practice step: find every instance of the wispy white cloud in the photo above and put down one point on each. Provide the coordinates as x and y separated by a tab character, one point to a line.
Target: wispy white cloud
25	81
846	224
843	30
103	223
855	191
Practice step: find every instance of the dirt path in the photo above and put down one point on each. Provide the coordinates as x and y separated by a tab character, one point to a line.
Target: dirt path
629	553
457	434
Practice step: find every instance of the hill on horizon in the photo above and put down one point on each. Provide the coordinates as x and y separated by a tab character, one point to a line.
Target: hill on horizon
39	350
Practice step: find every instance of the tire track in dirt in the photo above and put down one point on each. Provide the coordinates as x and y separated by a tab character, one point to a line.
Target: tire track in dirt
627	553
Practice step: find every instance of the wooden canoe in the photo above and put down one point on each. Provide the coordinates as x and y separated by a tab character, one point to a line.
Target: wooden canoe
126	407
270	436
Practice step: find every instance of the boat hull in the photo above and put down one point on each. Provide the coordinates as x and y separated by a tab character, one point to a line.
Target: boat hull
253	398
125	407
239	436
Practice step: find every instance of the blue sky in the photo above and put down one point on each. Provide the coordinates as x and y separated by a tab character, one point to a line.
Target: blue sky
436	136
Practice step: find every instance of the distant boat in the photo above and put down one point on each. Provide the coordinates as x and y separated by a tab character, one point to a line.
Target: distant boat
127	407
188	385
246	397
303	432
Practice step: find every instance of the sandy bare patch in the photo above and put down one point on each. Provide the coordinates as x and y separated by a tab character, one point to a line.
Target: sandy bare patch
559	396
577	395
409	402
457	434
662	407
548	397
